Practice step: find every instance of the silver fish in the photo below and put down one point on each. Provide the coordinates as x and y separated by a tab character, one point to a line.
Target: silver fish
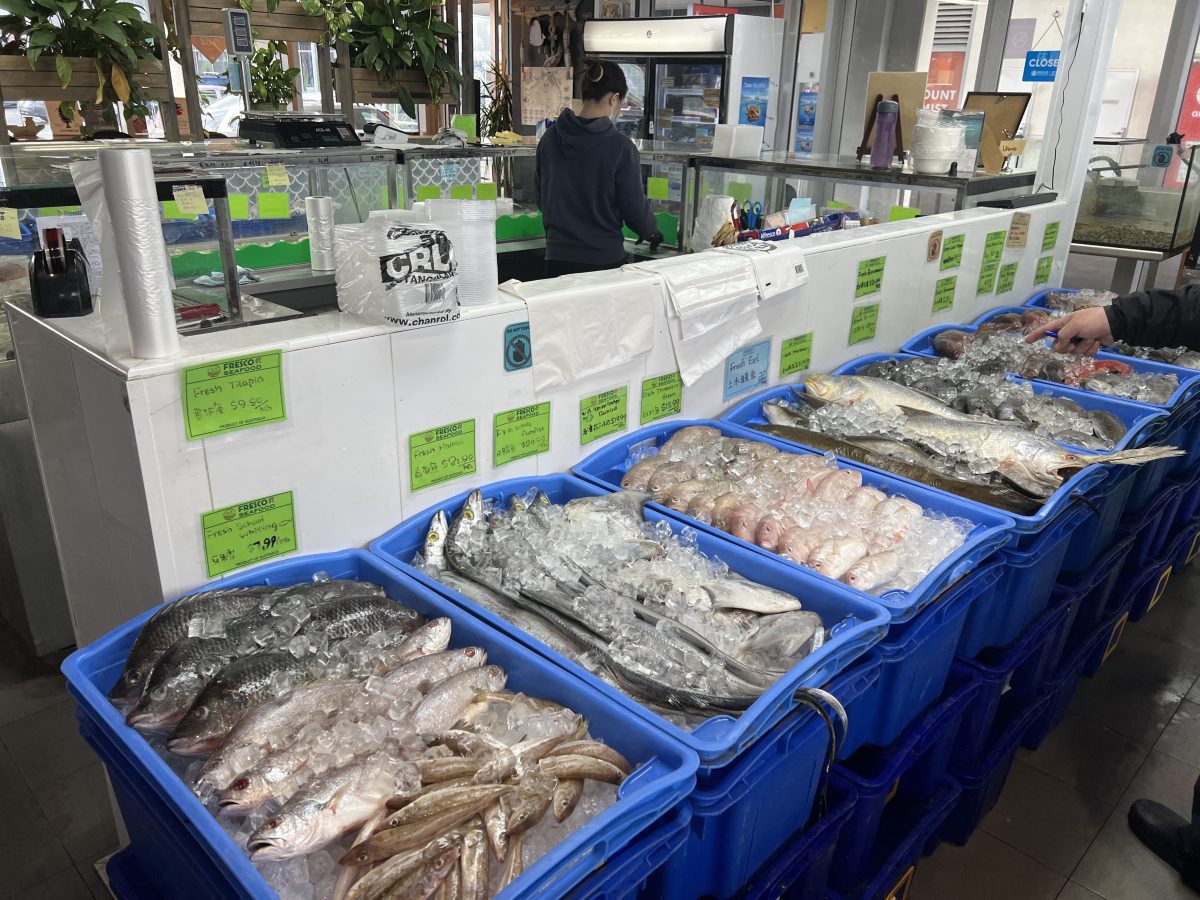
444	703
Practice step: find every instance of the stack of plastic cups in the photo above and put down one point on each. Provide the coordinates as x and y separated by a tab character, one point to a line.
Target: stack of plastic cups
471	226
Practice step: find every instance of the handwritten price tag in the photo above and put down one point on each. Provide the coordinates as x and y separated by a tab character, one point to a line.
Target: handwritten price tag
1018	231
1008	277
863	323
248	533
520	433
870	277
1042	274
190	199
943	293
987	279
441	454
661	397
603	414
993	247
277	175
1050	236
795	354
952	252
10	225
232	394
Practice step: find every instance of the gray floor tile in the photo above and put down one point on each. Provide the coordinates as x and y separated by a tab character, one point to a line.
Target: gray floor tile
1162	778
94	882
22	698
1181	738
1074	891
1046	819
66	885
11	782
1118	867
1154	660
1095	759
1129	706
31	853
985	869
78	808
47	745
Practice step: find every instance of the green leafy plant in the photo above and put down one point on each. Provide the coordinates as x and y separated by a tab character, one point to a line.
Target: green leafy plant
270	83
387	36
497	113
110	33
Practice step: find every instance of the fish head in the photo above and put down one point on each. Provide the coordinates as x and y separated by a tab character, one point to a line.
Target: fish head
248	791
493	678
830	387
432	637
288	834
167	699
130	686
201	730
1040	472
435	540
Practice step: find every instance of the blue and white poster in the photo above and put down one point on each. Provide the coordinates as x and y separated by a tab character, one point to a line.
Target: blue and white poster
752	108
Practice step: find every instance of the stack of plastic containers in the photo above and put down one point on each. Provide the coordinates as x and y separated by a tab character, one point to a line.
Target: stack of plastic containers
471	226
760	772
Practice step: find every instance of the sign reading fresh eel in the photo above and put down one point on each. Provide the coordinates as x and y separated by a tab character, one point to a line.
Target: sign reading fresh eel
231	394
248	533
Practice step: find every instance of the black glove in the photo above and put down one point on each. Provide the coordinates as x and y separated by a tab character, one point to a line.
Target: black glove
654	239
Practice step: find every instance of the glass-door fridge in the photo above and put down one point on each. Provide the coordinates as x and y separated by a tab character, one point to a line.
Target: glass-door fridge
687	102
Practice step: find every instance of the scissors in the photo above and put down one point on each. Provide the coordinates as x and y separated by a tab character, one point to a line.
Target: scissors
753	214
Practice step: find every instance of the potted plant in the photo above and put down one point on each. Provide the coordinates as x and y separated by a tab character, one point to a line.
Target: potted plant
103	46
402	44
498	108
271	85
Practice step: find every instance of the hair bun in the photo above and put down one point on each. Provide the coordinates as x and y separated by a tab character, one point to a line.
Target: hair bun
595	71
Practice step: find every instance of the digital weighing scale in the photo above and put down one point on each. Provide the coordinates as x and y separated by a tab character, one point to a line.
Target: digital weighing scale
294	131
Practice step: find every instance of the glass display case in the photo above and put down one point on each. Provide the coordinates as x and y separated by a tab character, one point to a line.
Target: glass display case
1139	195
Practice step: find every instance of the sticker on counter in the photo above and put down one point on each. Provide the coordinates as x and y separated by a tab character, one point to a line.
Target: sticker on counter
276	175
987	279
943	293
10	223
1050	236
248	533
274	205
863	323
485	190
518	349
441	454
870	277
993	247
662	396
1008	278
900	213
1042	274
795	354
933	247
747	369
603	414
520	433
952	252
232	394
1018	231
461	192
657	188
190	199
239	207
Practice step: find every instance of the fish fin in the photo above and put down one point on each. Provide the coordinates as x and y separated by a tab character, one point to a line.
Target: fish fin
1136	457
338	796
1018	475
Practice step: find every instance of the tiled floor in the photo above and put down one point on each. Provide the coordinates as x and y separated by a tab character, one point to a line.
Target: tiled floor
1059	830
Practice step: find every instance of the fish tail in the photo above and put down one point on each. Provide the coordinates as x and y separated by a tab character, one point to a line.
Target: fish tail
1138	456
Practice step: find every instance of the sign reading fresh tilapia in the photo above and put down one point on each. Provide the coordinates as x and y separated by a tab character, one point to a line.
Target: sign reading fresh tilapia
350	752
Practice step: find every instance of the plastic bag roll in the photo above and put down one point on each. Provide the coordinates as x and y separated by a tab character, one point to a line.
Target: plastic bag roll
319	211
145	268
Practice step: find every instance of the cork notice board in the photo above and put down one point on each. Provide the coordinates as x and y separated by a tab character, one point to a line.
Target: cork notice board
908	86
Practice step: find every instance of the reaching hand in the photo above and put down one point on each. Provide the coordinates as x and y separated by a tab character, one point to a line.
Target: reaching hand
1083	331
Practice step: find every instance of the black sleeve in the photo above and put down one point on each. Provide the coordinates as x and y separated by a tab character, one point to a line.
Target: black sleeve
631	195
1158	318
537	177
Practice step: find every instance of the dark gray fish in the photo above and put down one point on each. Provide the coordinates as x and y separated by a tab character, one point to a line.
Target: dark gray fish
177	680
350	615
1107	425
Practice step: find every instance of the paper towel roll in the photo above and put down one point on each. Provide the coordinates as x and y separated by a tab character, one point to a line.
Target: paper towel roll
132	202
319	211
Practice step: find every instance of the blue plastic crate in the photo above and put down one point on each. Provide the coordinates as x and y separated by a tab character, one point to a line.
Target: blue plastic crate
625	875
983	783
1026	582
1151	530
1060	689
1189	497
1095	590
910	768
1186	546
910	832
800	871
193	856
1009	681
744	813
915	661
1107	509
607	466
719	740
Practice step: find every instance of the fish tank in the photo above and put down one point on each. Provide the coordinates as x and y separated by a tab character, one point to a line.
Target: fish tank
1139	195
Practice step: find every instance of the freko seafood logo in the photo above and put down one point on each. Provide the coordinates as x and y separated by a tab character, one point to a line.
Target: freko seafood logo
430	261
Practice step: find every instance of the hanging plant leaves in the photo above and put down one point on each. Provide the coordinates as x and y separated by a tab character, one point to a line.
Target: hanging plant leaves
101	82
120	84
63	66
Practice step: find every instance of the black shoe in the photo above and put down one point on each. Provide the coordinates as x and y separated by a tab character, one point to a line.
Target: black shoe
1160	829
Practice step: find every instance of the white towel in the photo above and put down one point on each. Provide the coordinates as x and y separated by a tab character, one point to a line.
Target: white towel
706	290
778	265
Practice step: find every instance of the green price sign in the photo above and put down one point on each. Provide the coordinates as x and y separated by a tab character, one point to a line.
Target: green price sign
520	433
1050	236
231	394
603	414
795	355
248	533
1008	277
993	247
863	322
661	397
441	454
952	251
987	278
657	188
1042	274
943	293
870	277
900	213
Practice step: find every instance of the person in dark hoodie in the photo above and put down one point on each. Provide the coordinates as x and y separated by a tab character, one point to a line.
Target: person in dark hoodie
1155	318
588	181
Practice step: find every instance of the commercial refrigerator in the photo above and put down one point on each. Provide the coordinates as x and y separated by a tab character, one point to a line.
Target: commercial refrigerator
686	75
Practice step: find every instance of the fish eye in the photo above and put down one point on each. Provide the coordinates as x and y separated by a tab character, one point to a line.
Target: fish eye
200	712
469	652
159	693
273	823
240	785
468	514
133	677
